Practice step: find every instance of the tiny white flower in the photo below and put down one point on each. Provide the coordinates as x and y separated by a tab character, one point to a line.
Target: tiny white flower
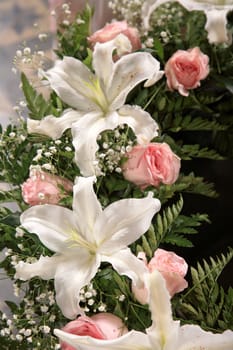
118	170
57	142
23	104
52	318
47	166
27	332
121	297
19	337
19	53
47	154
42	36
46	329
102	307
44	308
88	295
65	6
80	21
66	22
22	137
19	232
27	51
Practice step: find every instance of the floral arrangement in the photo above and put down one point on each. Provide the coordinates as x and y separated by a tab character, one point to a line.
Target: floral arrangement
96	169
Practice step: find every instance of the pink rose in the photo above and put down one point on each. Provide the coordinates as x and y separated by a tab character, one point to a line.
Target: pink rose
111	30
185	69
151	165
100	326
44	188
173	269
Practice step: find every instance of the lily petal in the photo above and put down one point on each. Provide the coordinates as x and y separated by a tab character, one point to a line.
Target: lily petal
86	206
194	338
164	331
71	80
103	53
216	26
51	223
123	222
85	133
143	125
70	277
129	71
132	340
45	268
126	263
53	126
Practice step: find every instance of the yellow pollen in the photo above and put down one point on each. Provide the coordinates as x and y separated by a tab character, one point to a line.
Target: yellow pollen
76	240
96	94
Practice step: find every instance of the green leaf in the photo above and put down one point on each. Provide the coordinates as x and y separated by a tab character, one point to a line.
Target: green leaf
37	105
205	301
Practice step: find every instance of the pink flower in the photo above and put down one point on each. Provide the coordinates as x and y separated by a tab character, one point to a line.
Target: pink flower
44	188
152	164
173	269
185	69
100	326
111	30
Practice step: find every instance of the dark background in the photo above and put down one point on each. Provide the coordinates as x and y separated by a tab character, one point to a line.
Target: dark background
213	239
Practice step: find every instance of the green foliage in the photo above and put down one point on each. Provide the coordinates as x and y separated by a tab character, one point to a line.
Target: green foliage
206	303
170	227
72	39
39	107
196	184
111	287
16	153
189	123
188	152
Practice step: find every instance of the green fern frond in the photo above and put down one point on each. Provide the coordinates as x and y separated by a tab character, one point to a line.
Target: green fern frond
189	123
38	107
165	220
188	152
163	223
196	184
170	227
205	302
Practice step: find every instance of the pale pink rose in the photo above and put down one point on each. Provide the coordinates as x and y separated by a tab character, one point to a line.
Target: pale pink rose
111	30
44	188
100	326
173	269
185	69
151	164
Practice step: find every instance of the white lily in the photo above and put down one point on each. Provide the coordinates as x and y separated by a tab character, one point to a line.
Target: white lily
99	98
164	333
84	237
216	16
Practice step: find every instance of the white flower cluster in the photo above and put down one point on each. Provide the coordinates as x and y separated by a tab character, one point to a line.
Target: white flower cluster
127	10
32	326
112	150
